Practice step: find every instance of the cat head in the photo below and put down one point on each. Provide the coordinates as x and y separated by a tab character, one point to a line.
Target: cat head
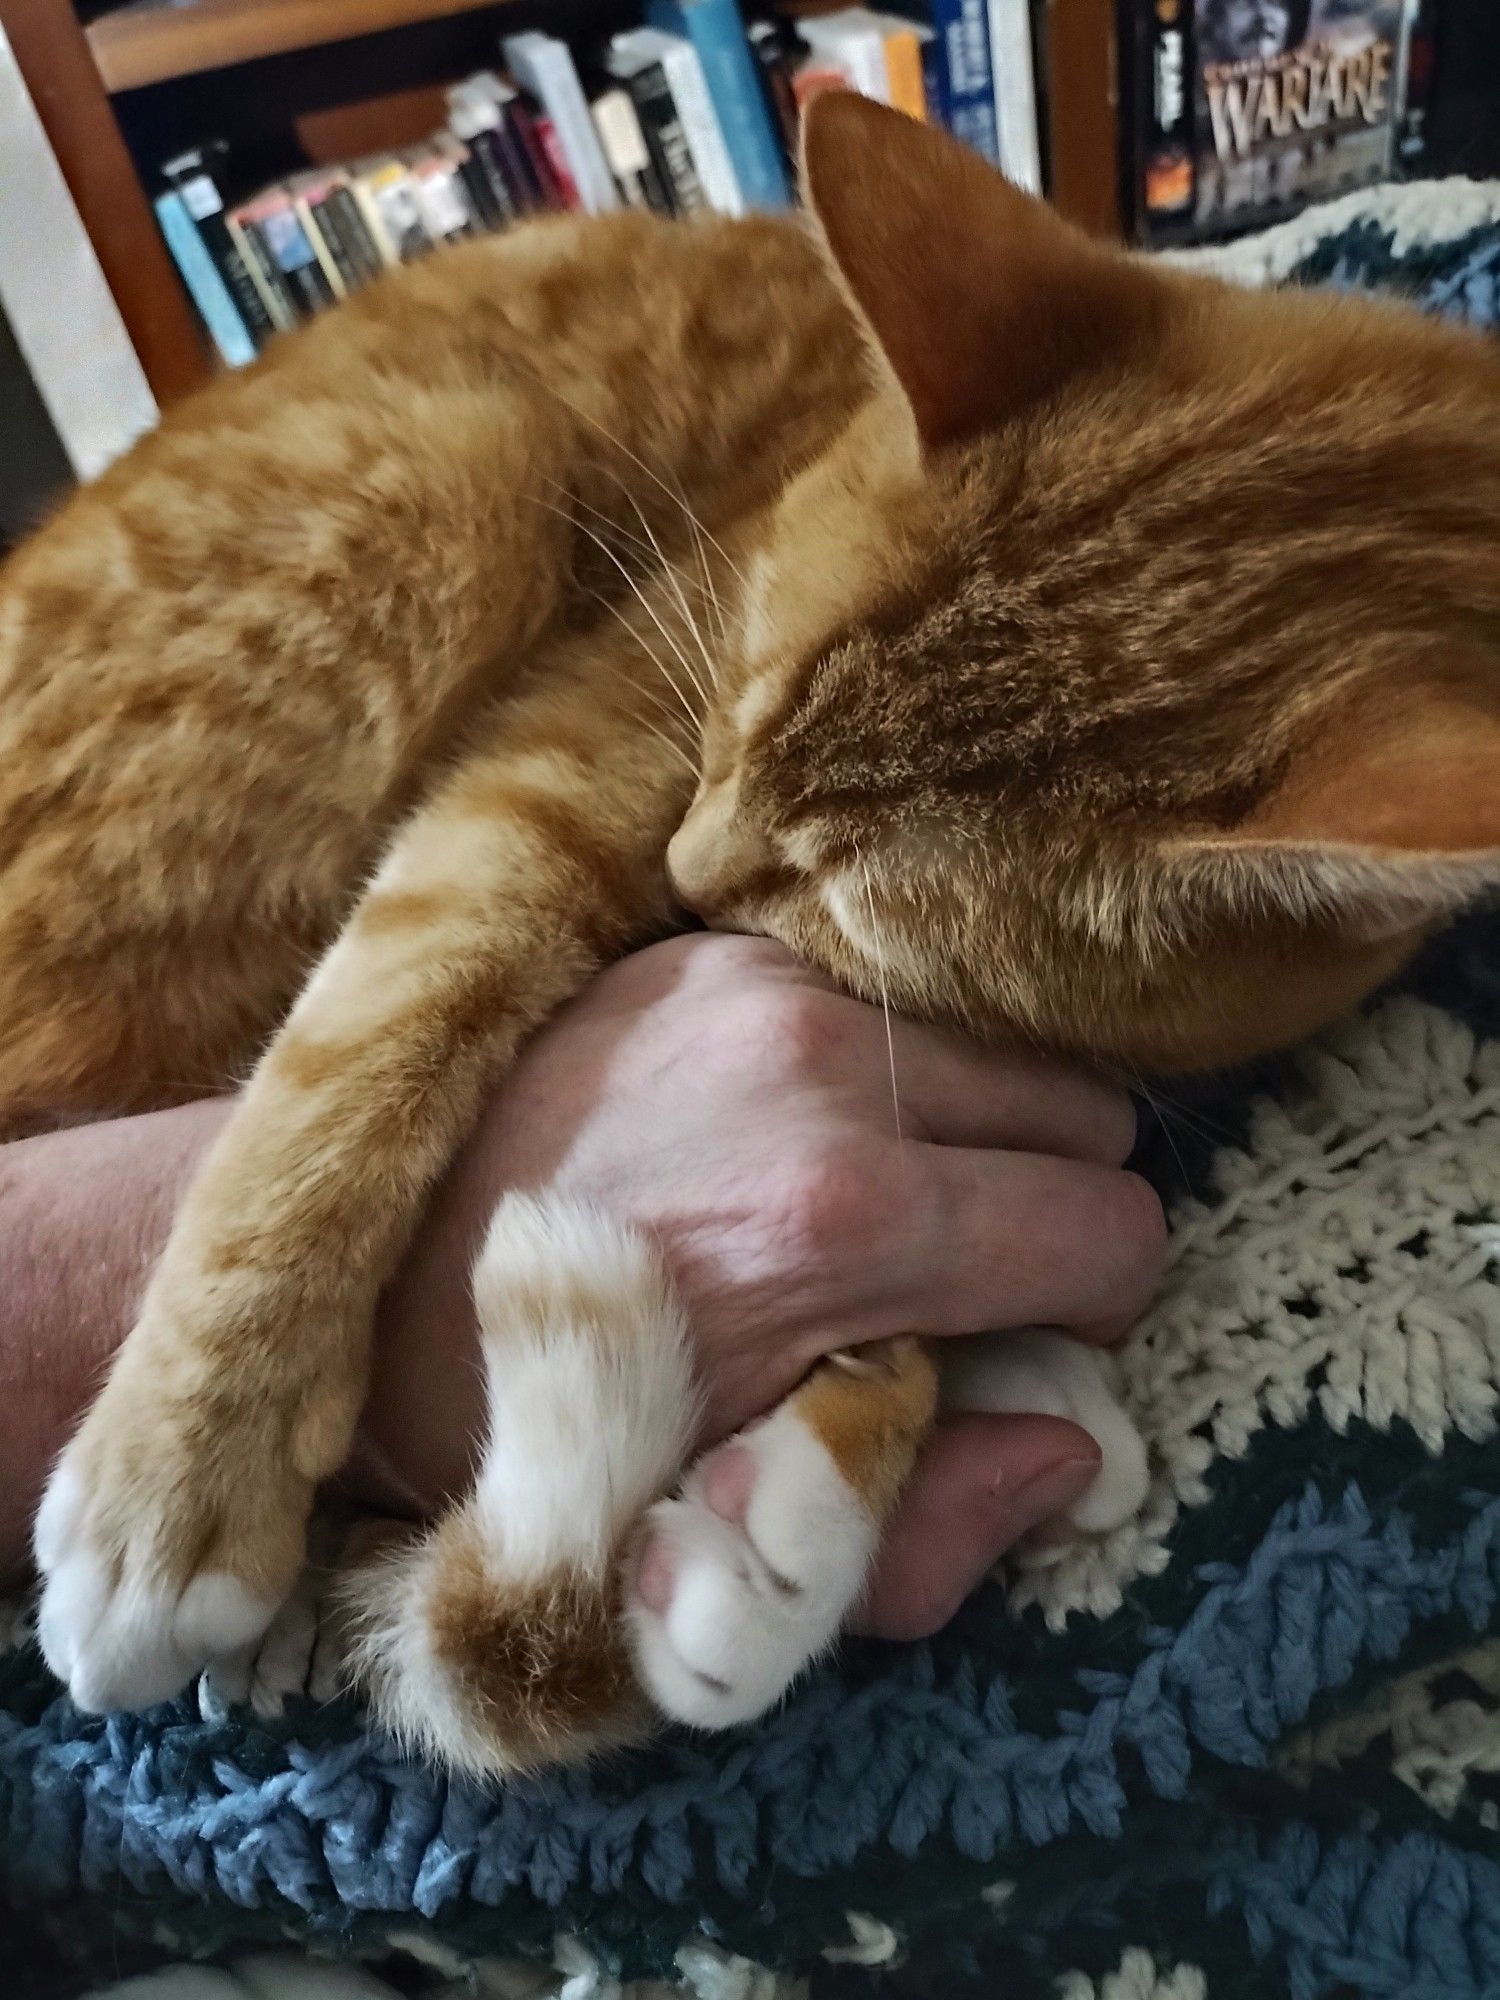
1127	678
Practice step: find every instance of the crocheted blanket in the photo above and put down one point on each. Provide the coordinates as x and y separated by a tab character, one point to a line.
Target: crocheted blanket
1248	1745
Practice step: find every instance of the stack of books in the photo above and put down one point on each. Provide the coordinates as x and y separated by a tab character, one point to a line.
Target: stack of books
695	108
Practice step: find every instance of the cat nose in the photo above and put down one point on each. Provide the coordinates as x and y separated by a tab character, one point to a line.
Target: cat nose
690	872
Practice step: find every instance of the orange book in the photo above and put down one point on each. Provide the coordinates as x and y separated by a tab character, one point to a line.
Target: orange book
903	66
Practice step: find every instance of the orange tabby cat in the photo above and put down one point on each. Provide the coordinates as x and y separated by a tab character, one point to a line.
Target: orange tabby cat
1056	643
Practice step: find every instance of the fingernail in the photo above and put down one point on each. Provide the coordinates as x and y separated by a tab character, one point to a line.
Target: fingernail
1049	1492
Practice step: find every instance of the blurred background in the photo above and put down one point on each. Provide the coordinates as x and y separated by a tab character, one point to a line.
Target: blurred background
182	179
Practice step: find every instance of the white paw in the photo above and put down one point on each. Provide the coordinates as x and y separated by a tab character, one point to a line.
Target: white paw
1047	1374
747	1576
113	1624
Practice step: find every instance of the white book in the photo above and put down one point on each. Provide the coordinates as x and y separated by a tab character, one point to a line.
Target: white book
544	66
853	40
638	47
1013	65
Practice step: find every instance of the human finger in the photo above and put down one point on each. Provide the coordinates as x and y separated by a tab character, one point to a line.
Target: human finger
981	1483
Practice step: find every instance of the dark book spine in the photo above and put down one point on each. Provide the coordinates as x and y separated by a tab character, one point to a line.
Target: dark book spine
770	44
535	166
666	141
280	300
295	257
482	198
491	147
325	222
203	198
347	237
1166	168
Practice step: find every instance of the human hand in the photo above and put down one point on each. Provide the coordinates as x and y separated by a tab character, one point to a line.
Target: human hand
731	1102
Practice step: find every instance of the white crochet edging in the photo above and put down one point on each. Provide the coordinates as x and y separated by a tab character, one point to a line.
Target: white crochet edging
1338	1269
1414	213
1137	1977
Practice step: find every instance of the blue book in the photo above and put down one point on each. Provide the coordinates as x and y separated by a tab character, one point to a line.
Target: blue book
966	75
717	33
212	297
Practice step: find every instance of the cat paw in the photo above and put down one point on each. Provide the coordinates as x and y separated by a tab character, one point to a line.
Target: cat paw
162	1548
1039	1373
746	1576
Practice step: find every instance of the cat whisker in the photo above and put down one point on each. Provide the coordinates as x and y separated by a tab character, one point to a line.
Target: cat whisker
646	605
878	953
656	660
669	569
635	458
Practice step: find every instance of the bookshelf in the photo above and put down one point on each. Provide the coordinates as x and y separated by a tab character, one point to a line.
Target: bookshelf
154	43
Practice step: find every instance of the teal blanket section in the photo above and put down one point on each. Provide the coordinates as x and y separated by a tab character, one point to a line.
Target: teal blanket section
1200	1759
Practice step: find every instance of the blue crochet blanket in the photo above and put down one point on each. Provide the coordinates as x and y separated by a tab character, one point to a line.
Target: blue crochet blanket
1248	1745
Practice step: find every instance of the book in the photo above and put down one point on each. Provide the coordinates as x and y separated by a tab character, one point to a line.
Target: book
197	177
1014	67
682	74
774	47
1246	115
852	41
517	146
965	75
343	228
717	32
392	213
636	173
439	190
530	148
544	66
304	190
662	130
904	67
290	247
205	282
479	122
265	274
556	156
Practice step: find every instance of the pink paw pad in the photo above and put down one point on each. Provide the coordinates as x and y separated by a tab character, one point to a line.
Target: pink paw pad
728	1482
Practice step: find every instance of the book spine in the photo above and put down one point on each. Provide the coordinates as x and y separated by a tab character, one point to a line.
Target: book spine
477	186
400	212
967	93
1164	163
1015	93
858	51
551	143
531	156
203	199
287	242
652	96
772	54
625	148
363	197
545	67
718	34
275	294
700	125
205	282
903	68
490	145
321	248
339	216
444	206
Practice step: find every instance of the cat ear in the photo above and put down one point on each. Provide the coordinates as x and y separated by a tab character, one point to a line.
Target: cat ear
1386	824
981	299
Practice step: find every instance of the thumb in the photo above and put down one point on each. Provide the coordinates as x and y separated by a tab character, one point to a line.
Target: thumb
981	1483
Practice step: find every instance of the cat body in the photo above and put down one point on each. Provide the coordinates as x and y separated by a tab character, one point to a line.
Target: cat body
1047	642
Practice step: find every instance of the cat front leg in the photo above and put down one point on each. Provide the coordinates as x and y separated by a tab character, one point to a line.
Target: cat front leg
174	1522
749	1573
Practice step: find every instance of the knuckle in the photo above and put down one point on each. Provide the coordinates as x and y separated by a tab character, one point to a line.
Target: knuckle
799	1023
833	1200
1136	1225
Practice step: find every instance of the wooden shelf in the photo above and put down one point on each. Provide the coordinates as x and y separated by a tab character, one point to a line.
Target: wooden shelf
152	41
